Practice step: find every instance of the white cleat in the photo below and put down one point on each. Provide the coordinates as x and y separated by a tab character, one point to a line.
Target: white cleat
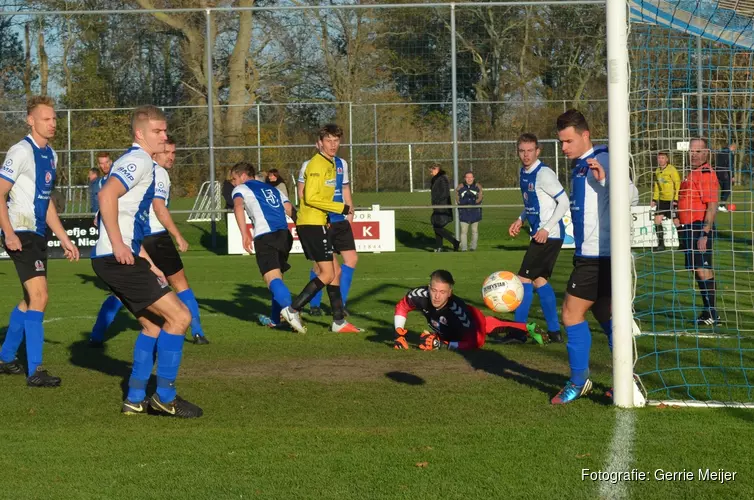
345	327
293	318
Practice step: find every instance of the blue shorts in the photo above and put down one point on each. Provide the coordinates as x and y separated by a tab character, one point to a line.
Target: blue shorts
689	235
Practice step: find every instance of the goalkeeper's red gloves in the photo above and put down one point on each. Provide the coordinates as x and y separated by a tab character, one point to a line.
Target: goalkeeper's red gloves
400	339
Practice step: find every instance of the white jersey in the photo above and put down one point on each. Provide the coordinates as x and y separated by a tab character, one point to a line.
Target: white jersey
264	206
161	191
135	170
590	205
540	189
31	170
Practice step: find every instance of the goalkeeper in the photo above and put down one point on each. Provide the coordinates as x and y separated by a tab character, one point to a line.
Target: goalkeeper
452	323
667	186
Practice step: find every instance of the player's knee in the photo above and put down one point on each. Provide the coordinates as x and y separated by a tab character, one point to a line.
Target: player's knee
524	280
571	315
38	300
180	319
540	282
351	259
326	276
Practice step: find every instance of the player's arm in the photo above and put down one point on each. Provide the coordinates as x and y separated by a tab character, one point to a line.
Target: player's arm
238	211
315	195
163	215
600	167
656	191
12	242
108	196
515	228
287	206
552	187
676	180
53	222
156	270
480	195
348	200
402	309
301	181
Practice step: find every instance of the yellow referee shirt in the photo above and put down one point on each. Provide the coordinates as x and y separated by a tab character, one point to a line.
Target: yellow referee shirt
667	184
319	189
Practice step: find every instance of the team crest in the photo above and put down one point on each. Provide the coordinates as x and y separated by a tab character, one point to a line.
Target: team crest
270	197
340	170
48	178
39	266
443	321
531	186
434	324
52	164
526	197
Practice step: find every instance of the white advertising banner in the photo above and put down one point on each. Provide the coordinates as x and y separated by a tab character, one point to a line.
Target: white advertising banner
373	230
643	231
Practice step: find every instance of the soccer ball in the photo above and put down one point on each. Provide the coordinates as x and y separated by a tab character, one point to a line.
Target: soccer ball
502	291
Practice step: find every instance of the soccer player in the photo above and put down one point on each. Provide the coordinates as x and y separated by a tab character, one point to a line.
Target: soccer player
27	177
453	323
339	227
590	281
665	194
545	204
320	181
162	253
125	203
697	208
267	208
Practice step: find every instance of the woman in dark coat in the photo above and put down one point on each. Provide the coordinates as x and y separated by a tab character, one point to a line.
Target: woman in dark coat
441	217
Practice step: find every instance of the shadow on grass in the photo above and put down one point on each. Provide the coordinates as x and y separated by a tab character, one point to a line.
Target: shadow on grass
97	359
93	279
248	301
405	378
418	239
205	240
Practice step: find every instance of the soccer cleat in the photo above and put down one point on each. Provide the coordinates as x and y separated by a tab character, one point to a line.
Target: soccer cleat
722	208
536	334
200	339
439	249
346	313
514	336
293	318
265	321
178	407
555	337
315	311
660	247
140	408
572	392
400	343
345	327
706	319
41	378
11	367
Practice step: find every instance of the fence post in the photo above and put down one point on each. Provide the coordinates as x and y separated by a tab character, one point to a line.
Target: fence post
350	144
69	150
376	156
259	140
471	143
454	97
410	170
210	127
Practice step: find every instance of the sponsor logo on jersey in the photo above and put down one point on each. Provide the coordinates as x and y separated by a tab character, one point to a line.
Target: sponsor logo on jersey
443	321
160	185
434	324
131	167
331	182
39	266
270	198
52	164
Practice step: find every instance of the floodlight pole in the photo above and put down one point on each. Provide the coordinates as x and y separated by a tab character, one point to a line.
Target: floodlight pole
211	126
620	207
454	98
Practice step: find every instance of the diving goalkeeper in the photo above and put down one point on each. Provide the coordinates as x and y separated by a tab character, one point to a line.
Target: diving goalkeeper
454	324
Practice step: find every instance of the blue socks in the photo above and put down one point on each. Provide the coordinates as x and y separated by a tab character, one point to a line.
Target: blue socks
607	327
275	312
317	299
35	336
280	293
549	307
579	345
142	368
188	298
346	278
521	314
105	318
169	354
13	336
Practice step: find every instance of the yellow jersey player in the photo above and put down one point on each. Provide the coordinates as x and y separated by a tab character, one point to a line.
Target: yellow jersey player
665	195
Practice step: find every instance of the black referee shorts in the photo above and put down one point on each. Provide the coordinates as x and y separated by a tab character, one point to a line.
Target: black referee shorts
272	251
341	236
315	240
689	235
31	260
136	286
163	253
540	259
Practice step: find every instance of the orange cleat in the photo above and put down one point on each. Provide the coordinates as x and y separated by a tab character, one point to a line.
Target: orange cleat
345	327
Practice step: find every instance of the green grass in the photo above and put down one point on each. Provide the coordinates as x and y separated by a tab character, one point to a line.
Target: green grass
327	416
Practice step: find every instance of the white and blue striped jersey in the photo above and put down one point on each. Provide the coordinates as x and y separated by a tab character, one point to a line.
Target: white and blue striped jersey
135	170
341	179
264	206
31	170
161	191
540	189
590	205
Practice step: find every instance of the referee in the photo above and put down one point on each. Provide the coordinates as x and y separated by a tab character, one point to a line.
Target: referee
697	207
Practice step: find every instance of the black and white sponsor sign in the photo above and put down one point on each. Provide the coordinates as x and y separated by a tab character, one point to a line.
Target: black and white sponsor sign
82	232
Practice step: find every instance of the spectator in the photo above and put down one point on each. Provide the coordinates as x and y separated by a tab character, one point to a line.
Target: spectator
94	186
469	193
275	179
441	217
227	191
724	161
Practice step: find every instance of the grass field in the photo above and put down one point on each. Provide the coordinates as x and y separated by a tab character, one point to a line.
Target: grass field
328	416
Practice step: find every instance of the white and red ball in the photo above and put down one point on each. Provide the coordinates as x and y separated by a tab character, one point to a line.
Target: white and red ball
502	291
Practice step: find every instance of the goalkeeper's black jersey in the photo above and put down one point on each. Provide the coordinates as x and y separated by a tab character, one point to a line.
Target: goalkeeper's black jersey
450	322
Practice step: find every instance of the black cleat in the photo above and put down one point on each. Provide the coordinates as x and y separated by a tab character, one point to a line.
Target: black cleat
11	368
555	337
96	344
315	311
514	336
140	408
706	319
200	339
41	378
179	407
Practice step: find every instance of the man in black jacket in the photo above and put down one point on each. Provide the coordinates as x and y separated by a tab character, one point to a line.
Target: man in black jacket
441	217
724	171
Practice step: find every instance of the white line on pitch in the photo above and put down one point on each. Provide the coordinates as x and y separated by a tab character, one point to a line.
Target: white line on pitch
621	451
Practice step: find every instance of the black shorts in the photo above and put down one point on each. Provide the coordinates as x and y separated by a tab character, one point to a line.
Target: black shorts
689	235
136	286
316	243
665	208
272	251
540	259
341	236
31	260
590	278
163	253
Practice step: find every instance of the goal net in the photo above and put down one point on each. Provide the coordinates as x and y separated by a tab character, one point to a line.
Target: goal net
691	75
